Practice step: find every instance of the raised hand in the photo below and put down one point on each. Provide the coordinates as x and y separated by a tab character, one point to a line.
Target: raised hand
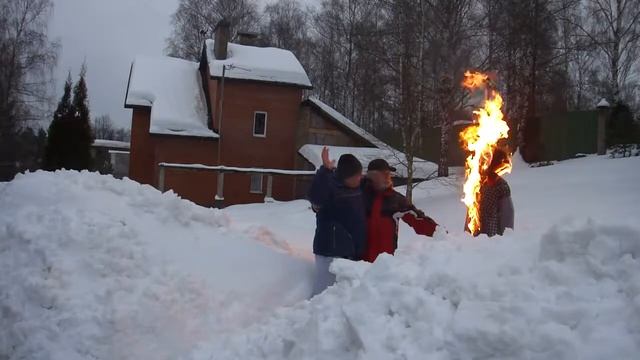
326	161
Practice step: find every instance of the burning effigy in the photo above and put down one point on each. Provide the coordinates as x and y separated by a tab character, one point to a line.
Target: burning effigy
487	195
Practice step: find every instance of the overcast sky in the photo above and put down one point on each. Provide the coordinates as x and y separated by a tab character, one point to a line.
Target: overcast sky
108	34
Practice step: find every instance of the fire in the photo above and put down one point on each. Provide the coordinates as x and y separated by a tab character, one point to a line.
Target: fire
473	80
480	139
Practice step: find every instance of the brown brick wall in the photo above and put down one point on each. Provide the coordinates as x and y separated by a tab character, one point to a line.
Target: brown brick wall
289	126
148	150
197	186
275	151
141	168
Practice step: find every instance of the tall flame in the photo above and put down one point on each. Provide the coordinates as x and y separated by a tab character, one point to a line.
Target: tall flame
473	80
481	139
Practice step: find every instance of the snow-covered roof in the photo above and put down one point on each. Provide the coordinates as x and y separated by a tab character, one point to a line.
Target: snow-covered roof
603	103
111	144
173	89
422	169
258	63
337	116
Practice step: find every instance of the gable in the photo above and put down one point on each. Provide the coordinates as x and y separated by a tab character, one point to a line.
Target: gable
343	123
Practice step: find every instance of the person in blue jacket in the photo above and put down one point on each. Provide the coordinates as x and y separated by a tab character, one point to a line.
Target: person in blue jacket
336	198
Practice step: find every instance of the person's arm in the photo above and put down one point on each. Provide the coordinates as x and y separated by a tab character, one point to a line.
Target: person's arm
507	213
320	189
421	224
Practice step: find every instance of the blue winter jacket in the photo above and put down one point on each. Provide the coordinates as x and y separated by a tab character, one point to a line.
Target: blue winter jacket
340	217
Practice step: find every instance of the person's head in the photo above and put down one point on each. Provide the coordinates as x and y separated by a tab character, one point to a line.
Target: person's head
349	171
499	161
379	173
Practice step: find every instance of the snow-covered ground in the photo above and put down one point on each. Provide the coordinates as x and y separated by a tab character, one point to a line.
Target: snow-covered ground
98	268
94	267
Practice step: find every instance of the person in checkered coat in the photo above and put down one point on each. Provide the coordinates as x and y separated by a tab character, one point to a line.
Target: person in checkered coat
496	206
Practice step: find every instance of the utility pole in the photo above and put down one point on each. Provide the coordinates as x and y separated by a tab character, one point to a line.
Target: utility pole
219	200
220	105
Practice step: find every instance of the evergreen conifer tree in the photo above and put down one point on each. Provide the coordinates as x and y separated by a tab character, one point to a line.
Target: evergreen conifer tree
70	136
58	149
81	126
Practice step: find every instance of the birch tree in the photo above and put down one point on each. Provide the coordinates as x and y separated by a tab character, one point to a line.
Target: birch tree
27	58
615	31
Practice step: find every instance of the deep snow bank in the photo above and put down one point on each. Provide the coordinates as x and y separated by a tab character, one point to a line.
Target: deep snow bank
564	285
94	267
572	294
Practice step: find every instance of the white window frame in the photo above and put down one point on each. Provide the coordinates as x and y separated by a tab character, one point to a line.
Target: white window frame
266	118
251	190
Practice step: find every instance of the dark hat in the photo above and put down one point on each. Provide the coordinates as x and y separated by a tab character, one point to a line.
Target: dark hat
380	165
348	166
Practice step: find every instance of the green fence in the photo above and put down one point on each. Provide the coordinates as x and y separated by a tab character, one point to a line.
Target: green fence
564	135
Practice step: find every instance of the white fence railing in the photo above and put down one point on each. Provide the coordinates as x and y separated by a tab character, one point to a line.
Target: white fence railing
221	170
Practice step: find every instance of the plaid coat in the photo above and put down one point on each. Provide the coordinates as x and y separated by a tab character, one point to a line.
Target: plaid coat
496	207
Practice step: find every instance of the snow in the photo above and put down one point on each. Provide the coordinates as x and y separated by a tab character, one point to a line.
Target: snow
422	169
258	63
94	267
113	144
100	268
119	152
336	115
603	104
173	89
564	285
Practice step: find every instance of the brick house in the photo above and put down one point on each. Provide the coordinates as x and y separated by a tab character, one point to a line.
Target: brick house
240	106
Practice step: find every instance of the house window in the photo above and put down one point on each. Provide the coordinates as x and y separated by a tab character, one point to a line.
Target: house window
256	184
260	124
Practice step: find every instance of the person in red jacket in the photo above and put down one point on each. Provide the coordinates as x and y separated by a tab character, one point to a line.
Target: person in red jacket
385	207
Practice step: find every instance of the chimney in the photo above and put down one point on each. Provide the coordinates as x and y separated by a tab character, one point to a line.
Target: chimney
247	38
222	35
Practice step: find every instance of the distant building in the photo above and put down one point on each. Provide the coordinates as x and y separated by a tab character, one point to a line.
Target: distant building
111	157
266	123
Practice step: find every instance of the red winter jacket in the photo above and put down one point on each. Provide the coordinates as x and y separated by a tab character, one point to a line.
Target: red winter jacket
384	209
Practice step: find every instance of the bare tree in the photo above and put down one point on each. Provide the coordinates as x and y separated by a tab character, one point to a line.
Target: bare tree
103	128
194	21
27	57
450	53
615	31
285	26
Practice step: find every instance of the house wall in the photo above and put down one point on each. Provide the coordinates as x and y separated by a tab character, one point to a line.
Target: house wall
197	186
240	148
141	162
289	126
317	128
147	150
314	127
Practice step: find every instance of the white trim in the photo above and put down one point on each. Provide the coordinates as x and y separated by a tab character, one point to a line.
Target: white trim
251	191
253	130
236	169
